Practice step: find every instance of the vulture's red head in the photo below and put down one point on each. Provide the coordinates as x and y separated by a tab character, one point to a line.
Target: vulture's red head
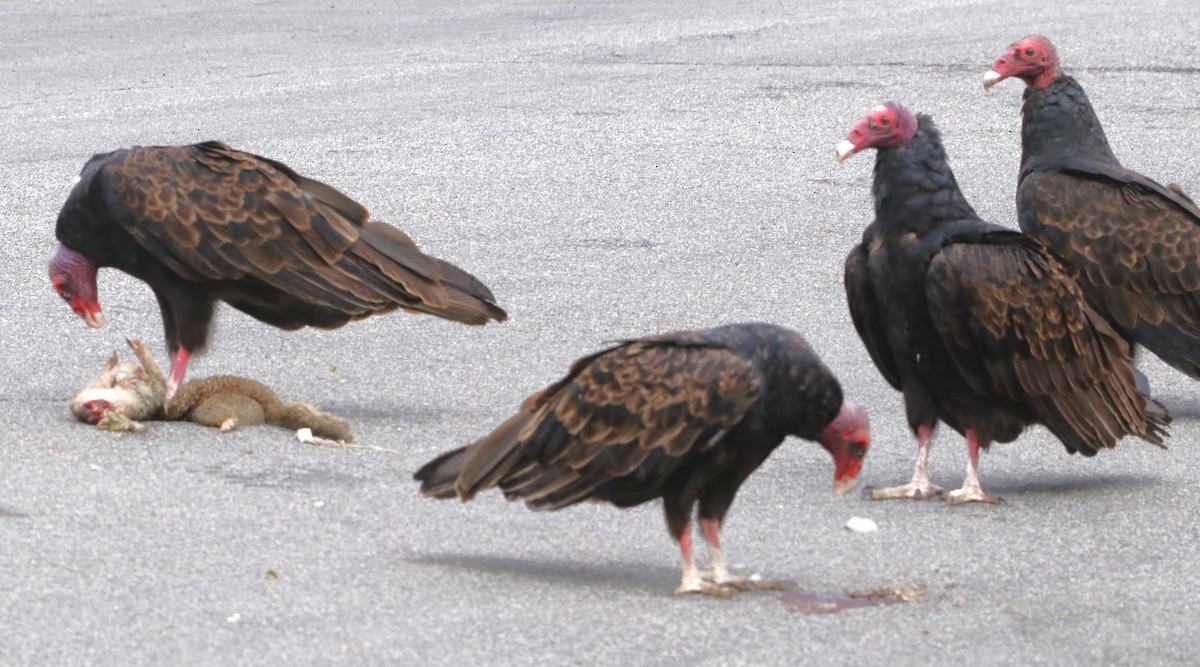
847	437
1032	60
888	125
74	278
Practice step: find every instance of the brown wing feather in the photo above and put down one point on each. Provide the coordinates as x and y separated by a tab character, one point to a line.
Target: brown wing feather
612	412
1011	313
180	198
210	212
1140	246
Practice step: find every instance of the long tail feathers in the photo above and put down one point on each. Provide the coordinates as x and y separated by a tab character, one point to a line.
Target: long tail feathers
419	282
1097	417
1171	345
439	476
477	467
1157	420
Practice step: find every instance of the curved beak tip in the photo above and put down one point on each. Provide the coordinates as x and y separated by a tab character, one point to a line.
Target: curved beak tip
844	150
991	78
95	320
843	486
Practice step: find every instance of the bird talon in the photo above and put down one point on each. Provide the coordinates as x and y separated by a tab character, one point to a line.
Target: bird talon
912	491
766	585
705	587
966	495
739	584
743	584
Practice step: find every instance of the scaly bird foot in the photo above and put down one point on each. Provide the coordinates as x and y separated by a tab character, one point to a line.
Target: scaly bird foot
229	424
704	587
913	490
971	495
746	584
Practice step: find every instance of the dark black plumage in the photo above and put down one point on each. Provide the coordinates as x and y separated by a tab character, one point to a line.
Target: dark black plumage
685	417
1136	242
206	223
980	327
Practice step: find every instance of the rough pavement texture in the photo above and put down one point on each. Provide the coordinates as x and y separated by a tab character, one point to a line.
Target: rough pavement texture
610	169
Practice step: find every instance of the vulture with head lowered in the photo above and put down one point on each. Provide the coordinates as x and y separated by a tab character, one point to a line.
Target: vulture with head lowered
1136	242
978	326
207	223
685	417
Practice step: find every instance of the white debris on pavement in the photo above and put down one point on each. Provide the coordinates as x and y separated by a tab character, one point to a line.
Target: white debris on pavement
860	524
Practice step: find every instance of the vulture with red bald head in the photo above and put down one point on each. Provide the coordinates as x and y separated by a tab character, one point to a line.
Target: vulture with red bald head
685	417
1136	242
206	223
978	326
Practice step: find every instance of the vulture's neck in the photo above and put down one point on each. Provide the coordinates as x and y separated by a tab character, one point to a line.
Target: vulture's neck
914	187
1058	120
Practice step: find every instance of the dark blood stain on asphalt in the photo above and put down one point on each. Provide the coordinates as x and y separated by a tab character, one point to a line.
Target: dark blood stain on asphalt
831	603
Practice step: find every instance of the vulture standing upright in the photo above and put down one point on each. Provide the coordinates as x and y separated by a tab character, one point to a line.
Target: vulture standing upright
978	326
1135	242
207	223
684	416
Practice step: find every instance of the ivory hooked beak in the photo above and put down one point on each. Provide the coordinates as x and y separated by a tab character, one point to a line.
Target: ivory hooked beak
94	320
844	150
991	78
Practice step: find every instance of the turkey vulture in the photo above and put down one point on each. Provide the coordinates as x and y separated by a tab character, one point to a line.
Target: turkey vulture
684	416
207	223
979	326
1136	242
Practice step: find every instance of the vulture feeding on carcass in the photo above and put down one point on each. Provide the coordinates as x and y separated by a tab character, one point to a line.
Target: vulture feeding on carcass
978	326
207	223
1135	242
683	416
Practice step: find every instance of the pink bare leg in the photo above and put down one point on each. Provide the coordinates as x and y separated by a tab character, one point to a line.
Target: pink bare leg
721	575
920	487
179	363
971	491
693	580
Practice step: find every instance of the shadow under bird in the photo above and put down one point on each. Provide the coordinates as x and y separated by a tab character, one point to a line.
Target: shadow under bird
979	326
685	417
206	223
1136	242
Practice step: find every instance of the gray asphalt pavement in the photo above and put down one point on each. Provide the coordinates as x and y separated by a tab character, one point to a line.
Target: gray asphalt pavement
610	169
